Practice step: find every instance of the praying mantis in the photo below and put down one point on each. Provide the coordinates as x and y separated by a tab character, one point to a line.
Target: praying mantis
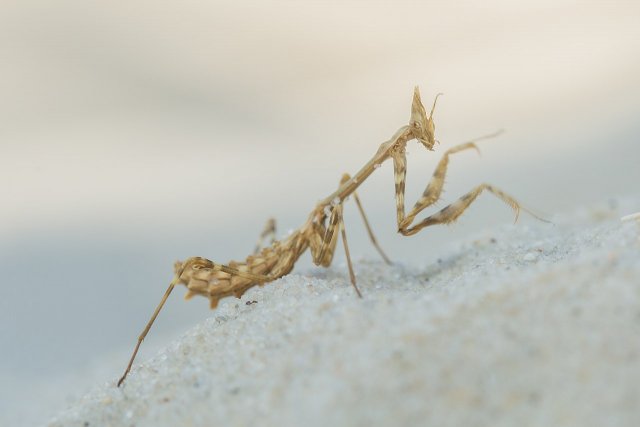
319	233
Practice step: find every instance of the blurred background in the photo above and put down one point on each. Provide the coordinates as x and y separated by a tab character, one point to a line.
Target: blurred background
136	133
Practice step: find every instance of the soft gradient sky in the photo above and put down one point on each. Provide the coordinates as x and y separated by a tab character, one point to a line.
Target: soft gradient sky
133	134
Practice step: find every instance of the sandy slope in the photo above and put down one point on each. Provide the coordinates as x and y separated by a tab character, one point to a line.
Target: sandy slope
533	324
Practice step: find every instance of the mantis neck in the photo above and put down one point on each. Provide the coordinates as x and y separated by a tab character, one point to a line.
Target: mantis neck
401	136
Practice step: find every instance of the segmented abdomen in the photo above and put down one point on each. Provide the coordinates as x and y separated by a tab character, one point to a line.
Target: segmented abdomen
216	281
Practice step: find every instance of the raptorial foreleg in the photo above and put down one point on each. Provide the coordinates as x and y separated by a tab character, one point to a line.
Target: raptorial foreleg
433	190
451	212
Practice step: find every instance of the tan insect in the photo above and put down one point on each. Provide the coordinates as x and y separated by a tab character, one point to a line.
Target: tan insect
319	233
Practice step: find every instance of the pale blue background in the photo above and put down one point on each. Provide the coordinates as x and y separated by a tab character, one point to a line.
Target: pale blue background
132	136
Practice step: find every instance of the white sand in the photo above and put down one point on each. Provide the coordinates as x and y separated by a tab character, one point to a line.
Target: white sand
530	324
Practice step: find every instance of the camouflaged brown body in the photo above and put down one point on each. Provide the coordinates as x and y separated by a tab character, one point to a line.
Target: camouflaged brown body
320	233
216	281
209	279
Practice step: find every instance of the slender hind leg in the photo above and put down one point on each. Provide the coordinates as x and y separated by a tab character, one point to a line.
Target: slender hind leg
323	248
268	231
173	283
196	263
352	275
337	220
372	237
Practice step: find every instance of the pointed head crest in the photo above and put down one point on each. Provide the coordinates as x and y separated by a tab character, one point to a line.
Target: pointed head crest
422	126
